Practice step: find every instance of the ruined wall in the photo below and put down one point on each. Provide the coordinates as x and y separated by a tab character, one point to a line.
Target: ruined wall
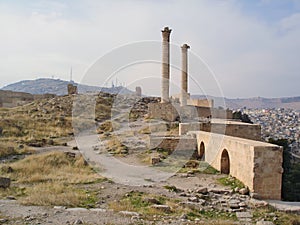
72	89
201	102
172	111
9	99
164	111
242	130
173	143
257	164
268	172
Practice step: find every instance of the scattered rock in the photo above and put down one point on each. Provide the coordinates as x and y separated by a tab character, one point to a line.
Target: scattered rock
128	213
155	160
163	208
183	217
202	190
50	142
76	209
244	191
2	221
262	222
241	215
4	182
151	200
234	204
193	199
7	169
78	222
258	203
98	210
59	207
70	154
11	198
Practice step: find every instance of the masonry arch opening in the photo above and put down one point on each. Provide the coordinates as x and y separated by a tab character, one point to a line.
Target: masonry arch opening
225	162
201	151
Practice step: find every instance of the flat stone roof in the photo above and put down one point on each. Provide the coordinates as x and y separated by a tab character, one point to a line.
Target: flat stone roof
237	139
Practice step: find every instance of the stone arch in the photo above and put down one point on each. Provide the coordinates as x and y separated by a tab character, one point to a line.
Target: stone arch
201	151
225	162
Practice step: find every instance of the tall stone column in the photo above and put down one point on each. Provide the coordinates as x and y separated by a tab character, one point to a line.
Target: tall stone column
165	65
184	75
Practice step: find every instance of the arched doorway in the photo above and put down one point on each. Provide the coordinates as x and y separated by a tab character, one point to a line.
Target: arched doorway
225	162
201	151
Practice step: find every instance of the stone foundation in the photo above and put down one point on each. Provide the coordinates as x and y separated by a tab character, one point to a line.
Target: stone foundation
173	143
257	164
230	128
174	112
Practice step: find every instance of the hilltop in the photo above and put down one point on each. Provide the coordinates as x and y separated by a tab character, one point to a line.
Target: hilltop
57	87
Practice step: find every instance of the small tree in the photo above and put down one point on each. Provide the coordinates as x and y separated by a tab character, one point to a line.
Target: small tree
238	115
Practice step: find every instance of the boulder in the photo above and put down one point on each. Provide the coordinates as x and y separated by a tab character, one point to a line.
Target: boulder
4	182
262	222
155	160
163	208
244	191
202	190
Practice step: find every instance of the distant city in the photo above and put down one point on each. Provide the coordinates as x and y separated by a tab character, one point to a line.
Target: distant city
278	123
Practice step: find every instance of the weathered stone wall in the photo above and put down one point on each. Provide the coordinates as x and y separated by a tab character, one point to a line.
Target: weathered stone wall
171	112
268	172
10	99
72	89
164	111
242	130
257	164
173	143
201	102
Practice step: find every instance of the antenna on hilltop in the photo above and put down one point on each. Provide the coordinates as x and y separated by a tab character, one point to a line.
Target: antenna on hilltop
71	75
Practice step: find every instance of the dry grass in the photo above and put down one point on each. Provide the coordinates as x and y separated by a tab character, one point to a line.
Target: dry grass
51	193
115	146
136	202
108	126
51	179
268	213
53	166
8	148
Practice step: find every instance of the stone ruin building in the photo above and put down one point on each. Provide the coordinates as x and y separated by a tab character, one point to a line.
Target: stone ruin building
10	99
72	89
230	146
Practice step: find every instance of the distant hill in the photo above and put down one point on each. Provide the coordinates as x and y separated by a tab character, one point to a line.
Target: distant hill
258	102
58	87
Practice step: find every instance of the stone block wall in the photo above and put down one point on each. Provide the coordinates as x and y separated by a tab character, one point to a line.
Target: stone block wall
72	89
242	130
173	143
268	170
201	102
9	99
164	111
257	164
173	112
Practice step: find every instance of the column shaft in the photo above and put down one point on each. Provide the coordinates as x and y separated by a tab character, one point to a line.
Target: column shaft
165	65
184	75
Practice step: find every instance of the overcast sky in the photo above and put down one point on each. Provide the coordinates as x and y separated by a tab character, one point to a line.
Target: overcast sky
252	46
